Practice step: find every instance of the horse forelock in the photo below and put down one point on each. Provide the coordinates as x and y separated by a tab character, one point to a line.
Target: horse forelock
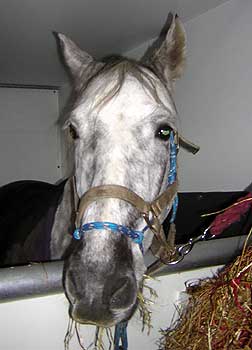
118	69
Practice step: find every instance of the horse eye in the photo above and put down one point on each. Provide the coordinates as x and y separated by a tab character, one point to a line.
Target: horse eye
163	132
73	132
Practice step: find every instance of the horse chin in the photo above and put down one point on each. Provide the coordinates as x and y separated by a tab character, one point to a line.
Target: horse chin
104	320
104	317
101	315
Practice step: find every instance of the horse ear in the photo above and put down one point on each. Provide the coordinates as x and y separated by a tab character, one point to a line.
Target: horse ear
78	62
167	54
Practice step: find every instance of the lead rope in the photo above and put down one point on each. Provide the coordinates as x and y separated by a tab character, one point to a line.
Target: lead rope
120	337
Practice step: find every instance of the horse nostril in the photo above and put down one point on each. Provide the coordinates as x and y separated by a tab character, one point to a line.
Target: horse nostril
125	294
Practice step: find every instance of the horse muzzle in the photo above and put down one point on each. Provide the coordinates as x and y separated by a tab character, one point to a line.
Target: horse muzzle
101	290
119	304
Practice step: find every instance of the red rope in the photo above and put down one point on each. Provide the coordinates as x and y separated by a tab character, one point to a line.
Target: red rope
231	215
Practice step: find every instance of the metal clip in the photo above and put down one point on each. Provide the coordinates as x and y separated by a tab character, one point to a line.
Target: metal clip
185	249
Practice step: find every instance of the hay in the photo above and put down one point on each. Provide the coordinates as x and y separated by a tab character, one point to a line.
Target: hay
218	315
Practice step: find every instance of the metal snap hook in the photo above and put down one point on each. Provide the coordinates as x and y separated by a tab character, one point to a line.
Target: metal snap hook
185	248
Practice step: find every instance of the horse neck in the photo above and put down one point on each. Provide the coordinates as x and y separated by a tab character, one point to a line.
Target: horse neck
63	225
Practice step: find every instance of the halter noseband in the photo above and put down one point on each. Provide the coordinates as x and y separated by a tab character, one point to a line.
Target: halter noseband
149	211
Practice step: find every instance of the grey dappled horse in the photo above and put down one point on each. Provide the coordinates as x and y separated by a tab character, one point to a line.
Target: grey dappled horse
121	119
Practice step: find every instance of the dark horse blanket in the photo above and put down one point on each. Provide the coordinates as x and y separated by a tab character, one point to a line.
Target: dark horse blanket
27	210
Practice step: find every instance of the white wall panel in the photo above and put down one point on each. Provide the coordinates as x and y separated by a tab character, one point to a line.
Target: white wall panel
215	99
29	135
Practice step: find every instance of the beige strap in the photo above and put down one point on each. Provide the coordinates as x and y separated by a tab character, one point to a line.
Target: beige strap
75	197
188	145
110	191
165	199
123	193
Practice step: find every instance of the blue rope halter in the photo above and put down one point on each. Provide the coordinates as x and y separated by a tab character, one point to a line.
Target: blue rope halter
136	236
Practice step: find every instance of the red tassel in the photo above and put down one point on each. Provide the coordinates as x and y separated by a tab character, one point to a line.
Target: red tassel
231	215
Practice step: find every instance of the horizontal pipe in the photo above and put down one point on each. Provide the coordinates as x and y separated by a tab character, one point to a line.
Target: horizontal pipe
31	280
42	279
29	86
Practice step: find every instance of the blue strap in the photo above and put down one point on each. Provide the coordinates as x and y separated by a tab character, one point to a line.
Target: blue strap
173	160
121	336
136	236
173	174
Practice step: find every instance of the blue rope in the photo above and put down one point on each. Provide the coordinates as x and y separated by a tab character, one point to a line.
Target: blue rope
121	335
173	159
173	174
136	236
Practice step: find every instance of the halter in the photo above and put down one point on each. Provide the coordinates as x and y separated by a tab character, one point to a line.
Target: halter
149	211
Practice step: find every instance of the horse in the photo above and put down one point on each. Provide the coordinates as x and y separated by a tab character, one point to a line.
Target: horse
124	127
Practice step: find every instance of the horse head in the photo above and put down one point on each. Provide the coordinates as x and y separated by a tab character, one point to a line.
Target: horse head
122	118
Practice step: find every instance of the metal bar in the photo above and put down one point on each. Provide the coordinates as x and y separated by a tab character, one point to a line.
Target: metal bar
42	279
28	86
32	280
